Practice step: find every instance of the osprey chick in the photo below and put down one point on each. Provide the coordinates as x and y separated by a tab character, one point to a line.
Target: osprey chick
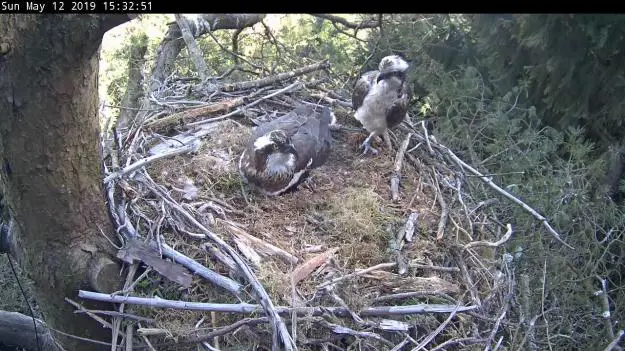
281	153
380	99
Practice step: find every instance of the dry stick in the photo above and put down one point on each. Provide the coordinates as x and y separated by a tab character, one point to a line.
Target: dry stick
225	330
129	337
252	308
89	313
147	160
616	340
146	340
434	268
447	343
195	112
296	85
498	243
437	331
605	304
116	314
276	322
490	183
274	250
339	329
397	169
357	273
117	322
197	268
259	83
406	295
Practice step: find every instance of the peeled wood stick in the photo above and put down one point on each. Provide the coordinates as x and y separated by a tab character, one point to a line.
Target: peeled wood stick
359	272
397	169
252	308
303	270
286	256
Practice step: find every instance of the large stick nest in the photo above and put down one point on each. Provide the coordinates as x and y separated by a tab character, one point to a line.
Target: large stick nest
372	265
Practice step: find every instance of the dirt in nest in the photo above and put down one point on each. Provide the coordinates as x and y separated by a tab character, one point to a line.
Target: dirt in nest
346	205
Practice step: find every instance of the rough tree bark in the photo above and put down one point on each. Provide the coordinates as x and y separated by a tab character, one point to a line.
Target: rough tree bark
51	173
134	89
171	45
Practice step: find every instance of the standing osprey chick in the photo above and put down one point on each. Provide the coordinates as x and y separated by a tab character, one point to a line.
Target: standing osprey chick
281	153
380	99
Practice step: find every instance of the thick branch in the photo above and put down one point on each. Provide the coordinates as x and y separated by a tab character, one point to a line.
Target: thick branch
17	329
194	51
346	23
277	78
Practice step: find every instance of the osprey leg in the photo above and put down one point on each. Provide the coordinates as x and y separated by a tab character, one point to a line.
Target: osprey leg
387	139
367	145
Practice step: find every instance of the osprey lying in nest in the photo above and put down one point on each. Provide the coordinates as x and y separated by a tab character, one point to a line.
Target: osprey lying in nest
381	98
281	153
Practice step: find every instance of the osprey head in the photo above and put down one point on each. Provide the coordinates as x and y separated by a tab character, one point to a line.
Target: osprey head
276	151
393	66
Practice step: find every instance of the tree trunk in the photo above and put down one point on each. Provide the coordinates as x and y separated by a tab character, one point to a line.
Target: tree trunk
51	162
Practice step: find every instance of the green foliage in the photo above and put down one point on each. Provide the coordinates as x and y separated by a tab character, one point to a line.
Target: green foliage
556	172
573	64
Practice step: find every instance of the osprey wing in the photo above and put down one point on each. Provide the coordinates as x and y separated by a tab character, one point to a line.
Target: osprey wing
362	87
397	110
313	141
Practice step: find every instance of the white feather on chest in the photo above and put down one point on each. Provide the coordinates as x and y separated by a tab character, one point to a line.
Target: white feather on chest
280	164
372	113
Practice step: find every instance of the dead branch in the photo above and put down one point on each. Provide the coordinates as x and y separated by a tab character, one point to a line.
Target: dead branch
336	19
252	308
498	243
89	313
129	329
195	267
194	51
440	328
339	329
399	158
147	160
259	83
186	116
225	330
